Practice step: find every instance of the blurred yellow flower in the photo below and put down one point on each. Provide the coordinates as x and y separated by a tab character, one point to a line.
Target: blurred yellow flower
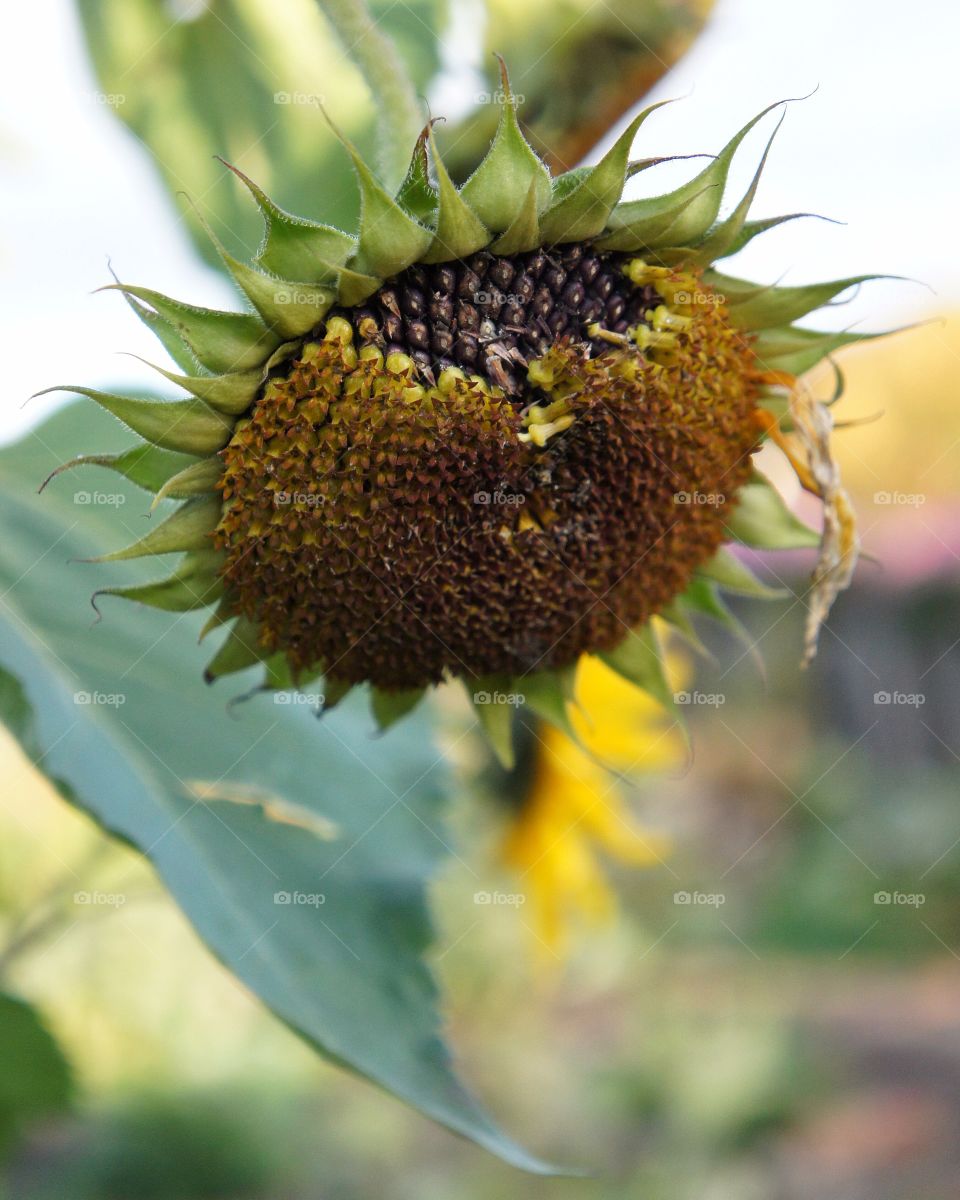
576	810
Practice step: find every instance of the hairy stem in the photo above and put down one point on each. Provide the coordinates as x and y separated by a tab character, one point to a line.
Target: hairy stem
399	116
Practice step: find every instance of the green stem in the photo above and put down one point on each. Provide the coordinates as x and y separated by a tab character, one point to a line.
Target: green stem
399	116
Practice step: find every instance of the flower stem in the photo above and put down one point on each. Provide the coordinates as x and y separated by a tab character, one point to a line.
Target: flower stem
399	116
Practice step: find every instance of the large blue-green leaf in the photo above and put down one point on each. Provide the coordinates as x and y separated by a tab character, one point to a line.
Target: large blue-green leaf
300	849
244	79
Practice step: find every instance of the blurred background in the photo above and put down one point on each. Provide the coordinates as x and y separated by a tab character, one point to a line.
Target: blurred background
775	1010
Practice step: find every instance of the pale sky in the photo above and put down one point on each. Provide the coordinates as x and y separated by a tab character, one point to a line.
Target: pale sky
877	146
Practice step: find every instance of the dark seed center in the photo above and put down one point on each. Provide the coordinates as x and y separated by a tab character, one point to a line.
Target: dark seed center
492	314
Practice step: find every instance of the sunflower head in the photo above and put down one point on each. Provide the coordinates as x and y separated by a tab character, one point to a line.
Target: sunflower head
497	427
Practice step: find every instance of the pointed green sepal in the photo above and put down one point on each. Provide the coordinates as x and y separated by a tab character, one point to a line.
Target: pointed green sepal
220	341
416	193
280	676
632	227
767	307
734	291
293	247
639	660
752	229
721	237
390	239
636	165
231	394
186	425
353	287
701	196
240	650
146	465
277	675
334	690
676	616
548	694
198	479
702	596
224	612
459	230
290	308
796	351
390	707
839	384
195	584
733	575
775	400
584	211
189	528
496	718
761	519
498	188
166	333
524	230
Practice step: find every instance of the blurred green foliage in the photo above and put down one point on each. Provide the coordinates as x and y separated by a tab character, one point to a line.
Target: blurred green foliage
243	79
35	1080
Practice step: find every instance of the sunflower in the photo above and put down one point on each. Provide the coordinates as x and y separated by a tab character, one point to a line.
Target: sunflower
499	427
575	812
